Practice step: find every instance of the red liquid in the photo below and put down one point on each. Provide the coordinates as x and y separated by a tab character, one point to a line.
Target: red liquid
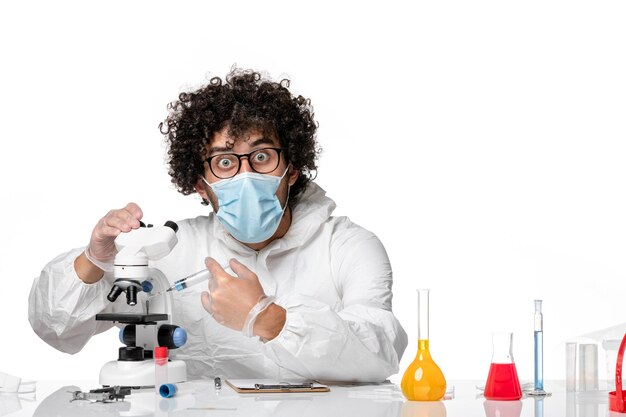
503	383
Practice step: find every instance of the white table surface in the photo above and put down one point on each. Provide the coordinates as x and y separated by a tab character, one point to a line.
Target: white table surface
53	399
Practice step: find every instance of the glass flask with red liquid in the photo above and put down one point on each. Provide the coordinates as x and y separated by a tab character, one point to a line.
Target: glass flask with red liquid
502	382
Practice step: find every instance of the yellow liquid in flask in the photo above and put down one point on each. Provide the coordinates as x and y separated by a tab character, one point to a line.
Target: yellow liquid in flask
423	380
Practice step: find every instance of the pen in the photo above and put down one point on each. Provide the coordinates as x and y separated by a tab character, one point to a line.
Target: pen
282	386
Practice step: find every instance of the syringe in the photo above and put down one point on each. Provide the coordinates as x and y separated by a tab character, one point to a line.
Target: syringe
191	280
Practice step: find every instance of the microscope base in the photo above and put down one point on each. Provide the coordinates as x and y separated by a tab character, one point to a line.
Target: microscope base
140	373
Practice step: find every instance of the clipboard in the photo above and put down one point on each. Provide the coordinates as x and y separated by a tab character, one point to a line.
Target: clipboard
268	386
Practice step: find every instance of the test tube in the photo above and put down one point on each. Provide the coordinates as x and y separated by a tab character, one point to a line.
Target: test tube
538	347
588	367
570	367
160	368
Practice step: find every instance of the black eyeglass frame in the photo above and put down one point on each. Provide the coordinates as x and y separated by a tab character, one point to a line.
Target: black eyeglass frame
279	151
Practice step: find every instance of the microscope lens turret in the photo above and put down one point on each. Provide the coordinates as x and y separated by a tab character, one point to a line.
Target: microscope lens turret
129	286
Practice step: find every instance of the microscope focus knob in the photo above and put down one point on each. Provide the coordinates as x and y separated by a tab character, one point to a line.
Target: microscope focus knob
171	336
128	335
147	286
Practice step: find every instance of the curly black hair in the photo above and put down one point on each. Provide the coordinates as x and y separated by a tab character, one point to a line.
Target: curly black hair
244	101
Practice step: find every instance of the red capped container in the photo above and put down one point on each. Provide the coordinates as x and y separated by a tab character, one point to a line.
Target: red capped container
160	368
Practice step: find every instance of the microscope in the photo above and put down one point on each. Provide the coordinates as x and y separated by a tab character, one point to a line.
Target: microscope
151	325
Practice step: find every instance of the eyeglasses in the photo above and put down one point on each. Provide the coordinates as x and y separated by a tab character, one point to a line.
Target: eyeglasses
227	165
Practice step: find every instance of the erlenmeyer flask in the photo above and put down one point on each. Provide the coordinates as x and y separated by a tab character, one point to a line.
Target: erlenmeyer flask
423	380
502	382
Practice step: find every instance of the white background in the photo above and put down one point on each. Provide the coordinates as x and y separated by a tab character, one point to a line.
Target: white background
482	141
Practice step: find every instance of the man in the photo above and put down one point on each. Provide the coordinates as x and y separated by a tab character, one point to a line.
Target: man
306	295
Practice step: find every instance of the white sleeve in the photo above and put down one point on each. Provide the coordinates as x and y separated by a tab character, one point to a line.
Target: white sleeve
364	341
62	308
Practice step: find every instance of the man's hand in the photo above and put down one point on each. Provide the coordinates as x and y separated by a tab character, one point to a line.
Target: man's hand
101	249
230	299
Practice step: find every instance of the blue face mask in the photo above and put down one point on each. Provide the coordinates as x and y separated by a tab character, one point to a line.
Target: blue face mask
248	206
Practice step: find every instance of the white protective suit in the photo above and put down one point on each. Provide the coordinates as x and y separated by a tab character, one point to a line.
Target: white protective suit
332	277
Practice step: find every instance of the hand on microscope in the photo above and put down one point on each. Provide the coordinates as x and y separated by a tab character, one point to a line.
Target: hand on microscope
239	302
100	253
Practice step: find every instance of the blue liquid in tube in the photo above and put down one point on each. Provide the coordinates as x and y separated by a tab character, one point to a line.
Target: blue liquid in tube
539	360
